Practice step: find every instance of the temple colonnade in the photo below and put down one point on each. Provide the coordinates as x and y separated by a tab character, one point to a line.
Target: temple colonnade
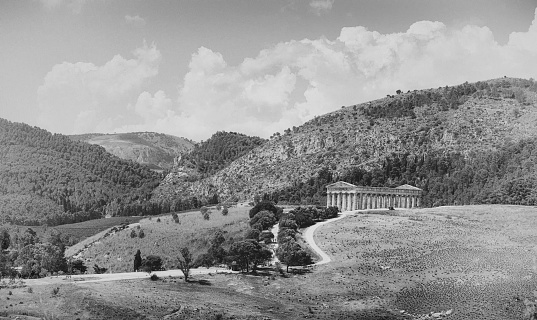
348	197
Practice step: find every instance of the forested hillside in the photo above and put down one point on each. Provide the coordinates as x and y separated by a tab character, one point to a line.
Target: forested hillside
156	150
214	154
49	179
428	138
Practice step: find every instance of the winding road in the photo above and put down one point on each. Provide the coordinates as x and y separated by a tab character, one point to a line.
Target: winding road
308	236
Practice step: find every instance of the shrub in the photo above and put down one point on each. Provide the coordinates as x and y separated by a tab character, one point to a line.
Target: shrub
153	262
30	290
225	211
133	234
55	291
141	234
154	277
158	219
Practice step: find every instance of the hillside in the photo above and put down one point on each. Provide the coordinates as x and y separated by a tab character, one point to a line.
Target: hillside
469	120
214	154
50	179
156	150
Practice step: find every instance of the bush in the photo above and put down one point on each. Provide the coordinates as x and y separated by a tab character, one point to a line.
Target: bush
158	219
55	291
30	290
154	277
141	234
225	211
133	234
152	262
99	270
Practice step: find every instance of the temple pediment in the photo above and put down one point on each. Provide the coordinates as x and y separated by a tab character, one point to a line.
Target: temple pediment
341	185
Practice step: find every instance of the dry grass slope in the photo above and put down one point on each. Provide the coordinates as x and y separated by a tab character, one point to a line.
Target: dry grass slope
164	238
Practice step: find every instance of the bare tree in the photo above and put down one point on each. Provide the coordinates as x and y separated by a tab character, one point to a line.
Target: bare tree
185	262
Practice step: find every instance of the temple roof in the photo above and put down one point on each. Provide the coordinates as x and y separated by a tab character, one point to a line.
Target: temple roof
408	187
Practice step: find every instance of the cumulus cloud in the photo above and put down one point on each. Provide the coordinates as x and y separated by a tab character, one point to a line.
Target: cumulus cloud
284	85
321	6
82	97
135	20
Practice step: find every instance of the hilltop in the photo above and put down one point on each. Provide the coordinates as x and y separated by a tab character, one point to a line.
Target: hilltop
156	150
50	179
462	122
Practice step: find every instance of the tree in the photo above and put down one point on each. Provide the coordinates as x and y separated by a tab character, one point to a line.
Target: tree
78	265
37	260
185	262
263	220
5	239
264	205
292	254
252	234
249	253
137	260
152	263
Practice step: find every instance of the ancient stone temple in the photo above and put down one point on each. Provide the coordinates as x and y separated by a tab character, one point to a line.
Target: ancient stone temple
348	197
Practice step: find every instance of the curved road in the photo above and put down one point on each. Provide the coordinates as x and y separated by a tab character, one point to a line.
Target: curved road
308	236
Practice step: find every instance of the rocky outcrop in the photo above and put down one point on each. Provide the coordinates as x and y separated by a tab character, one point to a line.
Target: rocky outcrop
159	151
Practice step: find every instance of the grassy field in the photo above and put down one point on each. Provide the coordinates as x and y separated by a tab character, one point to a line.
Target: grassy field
164	238
478	261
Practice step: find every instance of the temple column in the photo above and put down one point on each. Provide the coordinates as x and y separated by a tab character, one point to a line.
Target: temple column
418	200
375	196
353	196
338	200
333	199
328	199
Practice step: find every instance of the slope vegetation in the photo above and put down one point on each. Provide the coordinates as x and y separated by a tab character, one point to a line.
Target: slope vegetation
156	150
470	121
46	178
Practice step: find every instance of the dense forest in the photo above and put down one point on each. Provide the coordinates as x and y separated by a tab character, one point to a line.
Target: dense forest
506	176
49	179
218	151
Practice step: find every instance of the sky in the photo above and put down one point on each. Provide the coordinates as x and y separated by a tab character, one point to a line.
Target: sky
191	68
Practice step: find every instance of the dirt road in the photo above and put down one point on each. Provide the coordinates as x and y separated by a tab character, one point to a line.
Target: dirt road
308	236
87	278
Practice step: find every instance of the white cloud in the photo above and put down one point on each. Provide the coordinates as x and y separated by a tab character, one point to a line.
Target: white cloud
75	5
284	85
77	97
135	20
321	6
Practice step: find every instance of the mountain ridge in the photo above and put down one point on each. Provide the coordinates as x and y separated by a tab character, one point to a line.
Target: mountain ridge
467	118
